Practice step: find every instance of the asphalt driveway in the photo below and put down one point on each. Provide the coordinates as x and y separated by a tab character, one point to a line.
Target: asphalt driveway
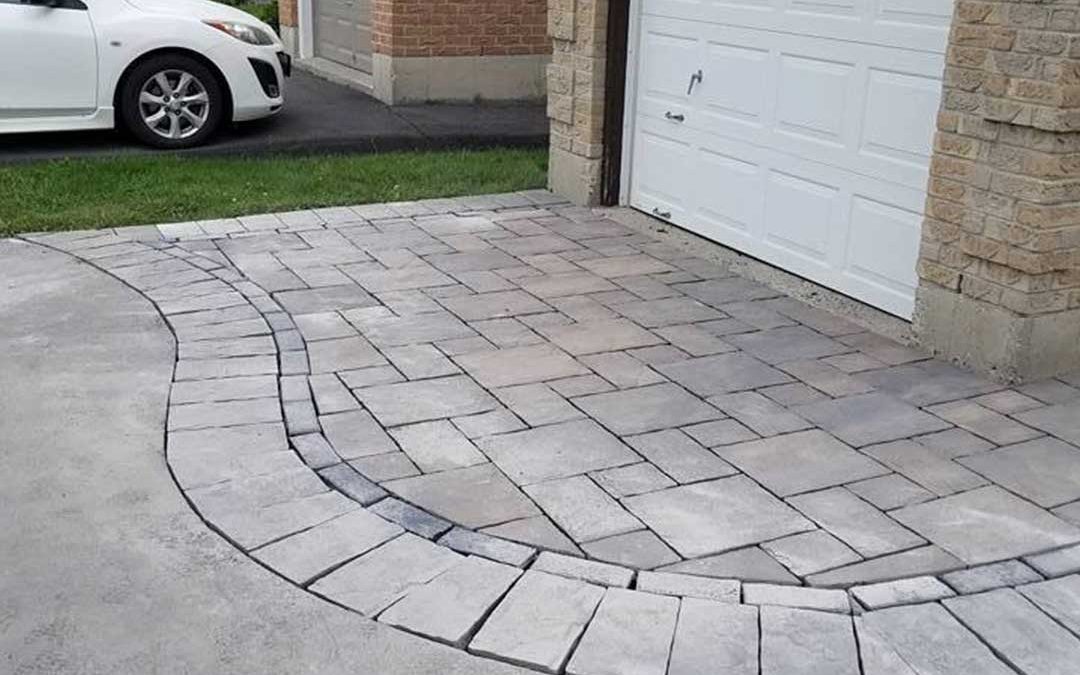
320	116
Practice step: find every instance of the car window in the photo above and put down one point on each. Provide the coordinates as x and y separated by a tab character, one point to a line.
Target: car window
54	4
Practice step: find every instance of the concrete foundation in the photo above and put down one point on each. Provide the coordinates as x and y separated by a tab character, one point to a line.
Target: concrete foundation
411	79
993	340
574	177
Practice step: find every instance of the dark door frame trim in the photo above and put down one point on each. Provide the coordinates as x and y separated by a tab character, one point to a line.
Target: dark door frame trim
618	36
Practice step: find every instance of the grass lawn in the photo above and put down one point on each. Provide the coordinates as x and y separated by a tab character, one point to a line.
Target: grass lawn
92	193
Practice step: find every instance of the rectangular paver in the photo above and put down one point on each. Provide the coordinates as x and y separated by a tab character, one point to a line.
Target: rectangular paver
799	641
856	523
538	622
556	451
631	633
715	637
380	577
452	605
716	516
582	509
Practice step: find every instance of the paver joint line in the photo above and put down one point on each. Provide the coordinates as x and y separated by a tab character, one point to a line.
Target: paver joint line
565	408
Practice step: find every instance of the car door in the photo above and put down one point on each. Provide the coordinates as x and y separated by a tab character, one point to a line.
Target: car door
48	59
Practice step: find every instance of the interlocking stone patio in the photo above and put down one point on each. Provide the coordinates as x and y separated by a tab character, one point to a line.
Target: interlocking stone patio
519	380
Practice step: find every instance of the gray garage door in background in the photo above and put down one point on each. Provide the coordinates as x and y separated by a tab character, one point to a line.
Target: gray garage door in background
343	32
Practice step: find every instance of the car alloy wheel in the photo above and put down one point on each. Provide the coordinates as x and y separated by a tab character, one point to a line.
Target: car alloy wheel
174	104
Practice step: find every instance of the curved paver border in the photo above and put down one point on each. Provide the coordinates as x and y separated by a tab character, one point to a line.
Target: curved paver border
252	459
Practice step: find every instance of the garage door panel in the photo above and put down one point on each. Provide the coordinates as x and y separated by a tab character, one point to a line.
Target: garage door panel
738	86
883	239
900	115
343	32
798	216
908	24
658	188
813	97
729	195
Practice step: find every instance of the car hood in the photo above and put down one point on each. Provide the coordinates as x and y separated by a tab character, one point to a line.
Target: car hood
198	9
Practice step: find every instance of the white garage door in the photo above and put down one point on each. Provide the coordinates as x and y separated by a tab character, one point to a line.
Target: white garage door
806	140
343	32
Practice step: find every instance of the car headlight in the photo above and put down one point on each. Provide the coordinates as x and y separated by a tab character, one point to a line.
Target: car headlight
243	32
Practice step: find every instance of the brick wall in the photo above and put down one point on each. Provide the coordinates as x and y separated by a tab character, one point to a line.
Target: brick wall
1003	212
460	27
576	80
287	12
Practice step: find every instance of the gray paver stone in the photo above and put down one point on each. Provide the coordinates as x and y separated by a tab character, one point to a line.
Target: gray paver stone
651	408
926	467
520	365
901	592
487	546
800	641
988	577
635	479
379	578
924	560
819	599
680	457
1026	638
328	356
387	466
984	422
394	404
356	434
1062	420
688	586
453	604
1060	598
630	635
349	482
712	517
722	373
582	509
307	554
856	523
1045	470
411	518
539	621
474	496
641	549
585	570
599	336
536	531
759	413
987	525
556	451
809	552
890	492
870	418
800	462
715	637
437	446
1056	563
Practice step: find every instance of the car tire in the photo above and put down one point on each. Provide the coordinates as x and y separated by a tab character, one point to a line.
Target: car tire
172	101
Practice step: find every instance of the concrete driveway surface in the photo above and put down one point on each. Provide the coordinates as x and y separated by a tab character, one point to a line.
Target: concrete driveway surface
104	568
519	429
321	116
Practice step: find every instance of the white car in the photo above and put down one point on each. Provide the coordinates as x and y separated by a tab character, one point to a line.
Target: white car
170	71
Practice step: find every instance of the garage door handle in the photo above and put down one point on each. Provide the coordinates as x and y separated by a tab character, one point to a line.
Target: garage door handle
696	78
675	118
666	215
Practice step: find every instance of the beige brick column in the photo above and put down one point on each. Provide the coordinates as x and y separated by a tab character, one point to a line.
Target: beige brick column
1000	261
287	23
578	29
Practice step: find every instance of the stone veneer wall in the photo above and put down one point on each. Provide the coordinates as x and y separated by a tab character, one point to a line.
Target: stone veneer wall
1000	261
576	84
